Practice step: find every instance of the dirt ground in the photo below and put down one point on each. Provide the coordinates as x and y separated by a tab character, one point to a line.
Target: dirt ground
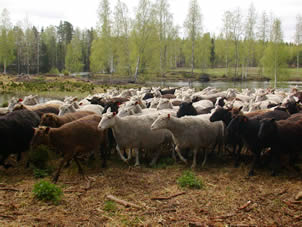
229	197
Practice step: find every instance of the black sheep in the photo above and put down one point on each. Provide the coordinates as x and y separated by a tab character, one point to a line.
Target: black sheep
16	132
186	109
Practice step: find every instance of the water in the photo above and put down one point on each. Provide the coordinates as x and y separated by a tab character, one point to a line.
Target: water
223	85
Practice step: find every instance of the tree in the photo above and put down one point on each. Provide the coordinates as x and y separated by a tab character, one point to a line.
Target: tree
143	32
275	54
73	58
249	38
298	37
7	42
204	51
193	27
121	31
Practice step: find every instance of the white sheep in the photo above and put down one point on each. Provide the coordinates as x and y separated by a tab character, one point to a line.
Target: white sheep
194	132
69	108
134	132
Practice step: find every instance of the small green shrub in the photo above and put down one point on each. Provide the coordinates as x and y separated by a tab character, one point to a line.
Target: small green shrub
54	70
189	180
110	206
39	157
40	173
66	72
164	163
47	192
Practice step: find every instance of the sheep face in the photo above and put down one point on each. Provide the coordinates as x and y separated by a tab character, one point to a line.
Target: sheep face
66	108
161	122
40	136
49	120
108	121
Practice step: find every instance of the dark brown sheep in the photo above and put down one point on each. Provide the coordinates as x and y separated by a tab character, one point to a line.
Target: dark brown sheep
40	109
55	121
72	139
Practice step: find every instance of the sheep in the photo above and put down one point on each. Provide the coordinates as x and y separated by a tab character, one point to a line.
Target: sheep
16	132
283	136
186	109
69	108
134	132
164	104
55	121
194	132
72	139
40	109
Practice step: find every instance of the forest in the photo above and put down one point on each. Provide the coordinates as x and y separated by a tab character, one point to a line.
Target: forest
150	43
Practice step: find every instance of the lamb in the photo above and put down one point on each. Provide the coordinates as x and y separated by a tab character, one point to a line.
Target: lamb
134	132
72	139
194	132
55	121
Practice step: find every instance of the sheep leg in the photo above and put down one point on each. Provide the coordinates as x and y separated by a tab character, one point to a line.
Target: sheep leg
154	160
136	157
129	154
237	161
254	163
120	153
80	169
205	157
180	156
65	159
194	158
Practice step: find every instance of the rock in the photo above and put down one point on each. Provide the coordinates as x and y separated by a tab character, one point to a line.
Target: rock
298	196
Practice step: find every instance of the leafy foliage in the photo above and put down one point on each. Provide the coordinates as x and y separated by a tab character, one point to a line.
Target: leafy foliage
189	180
47	192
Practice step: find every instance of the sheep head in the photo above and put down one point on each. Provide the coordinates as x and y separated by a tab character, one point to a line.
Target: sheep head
107	121
161	122
40	136
50	120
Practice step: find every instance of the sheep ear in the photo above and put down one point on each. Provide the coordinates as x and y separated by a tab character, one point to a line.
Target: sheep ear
80	104
136	103
108	110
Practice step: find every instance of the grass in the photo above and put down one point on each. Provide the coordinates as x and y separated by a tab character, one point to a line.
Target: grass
110	206
189	180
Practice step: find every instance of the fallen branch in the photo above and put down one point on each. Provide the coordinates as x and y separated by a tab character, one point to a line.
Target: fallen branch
290	204
9	189
123	202
245	205
7	216
168	197
223	216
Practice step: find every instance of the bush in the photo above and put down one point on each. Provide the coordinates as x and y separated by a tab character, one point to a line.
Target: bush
66	72
39	157
54	70
47	192
189	180
41	173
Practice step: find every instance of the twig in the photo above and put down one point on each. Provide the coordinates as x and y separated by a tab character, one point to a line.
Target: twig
123	202
223	216
9	189
71	191
7	216
168	197
245	205
282	192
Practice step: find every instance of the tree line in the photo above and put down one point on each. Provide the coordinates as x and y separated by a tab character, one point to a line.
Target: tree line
150	43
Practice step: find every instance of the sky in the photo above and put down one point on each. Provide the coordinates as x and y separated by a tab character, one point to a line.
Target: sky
83	14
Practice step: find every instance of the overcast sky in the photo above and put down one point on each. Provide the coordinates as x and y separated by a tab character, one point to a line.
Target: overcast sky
83	13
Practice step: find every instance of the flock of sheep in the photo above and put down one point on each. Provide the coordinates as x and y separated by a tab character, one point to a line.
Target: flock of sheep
152	120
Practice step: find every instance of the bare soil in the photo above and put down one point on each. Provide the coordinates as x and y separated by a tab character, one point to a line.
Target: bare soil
229	197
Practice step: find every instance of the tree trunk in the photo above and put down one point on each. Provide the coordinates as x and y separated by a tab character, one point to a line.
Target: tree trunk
192	57
38	56
4	67
275	72
136	69
298	61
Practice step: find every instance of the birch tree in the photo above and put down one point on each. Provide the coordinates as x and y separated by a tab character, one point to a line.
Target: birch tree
7	43
193	28
298	38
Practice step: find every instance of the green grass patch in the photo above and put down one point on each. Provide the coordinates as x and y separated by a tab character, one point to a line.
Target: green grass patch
47	192
189	180
163	163
110	206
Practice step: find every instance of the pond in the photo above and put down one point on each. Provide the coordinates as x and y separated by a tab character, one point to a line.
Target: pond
223	85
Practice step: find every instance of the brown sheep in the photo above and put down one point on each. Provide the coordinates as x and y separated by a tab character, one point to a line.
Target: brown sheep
40	109
55	121
72	139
